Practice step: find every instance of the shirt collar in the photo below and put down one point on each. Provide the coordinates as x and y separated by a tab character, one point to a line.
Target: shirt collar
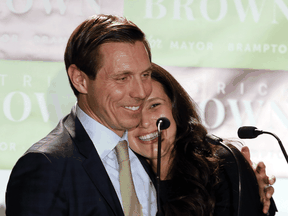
102	137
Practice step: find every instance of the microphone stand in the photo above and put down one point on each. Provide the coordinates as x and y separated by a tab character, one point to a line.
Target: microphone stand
159	213
211	138
162	124
280	143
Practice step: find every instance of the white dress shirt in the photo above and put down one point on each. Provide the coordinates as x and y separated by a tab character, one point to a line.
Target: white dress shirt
105	141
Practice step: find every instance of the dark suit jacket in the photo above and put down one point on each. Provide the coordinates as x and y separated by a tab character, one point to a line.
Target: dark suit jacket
62	174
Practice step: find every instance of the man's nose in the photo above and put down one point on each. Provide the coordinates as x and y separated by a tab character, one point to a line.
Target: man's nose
139	89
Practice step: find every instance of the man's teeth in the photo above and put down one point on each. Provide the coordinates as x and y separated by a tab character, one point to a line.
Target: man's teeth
133	108
149	136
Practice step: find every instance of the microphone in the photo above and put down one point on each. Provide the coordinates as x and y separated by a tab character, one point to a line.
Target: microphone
162	124
250	132
211	138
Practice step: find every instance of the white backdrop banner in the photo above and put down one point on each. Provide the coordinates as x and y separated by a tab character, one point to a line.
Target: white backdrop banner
39	29
220	33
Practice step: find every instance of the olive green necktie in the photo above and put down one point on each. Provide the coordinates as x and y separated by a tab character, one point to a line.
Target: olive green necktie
130	201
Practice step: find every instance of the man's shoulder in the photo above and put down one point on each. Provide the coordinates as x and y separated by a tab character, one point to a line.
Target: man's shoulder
57	143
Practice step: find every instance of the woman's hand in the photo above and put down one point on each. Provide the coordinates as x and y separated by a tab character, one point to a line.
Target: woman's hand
265	189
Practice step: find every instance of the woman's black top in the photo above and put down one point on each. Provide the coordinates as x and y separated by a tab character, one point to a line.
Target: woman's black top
226	192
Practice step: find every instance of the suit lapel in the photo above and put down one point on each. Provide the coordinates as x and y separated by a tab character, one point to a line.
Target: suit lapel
92	164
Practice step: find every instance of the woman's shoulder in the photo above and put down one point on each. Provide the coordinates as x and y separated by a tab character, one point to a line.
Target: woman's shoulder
228	152
234	165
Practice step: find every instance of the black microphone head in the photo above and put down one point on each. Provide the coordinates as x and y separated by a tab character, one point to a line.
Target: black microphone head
164	123
248	132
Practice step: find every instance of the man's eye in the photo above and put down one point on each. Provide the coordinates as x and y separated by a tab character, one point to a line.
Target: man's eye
146	74
122	78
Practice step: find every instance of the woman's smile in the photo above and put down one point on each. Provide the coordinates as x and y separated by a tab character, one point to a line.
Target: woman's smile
149	137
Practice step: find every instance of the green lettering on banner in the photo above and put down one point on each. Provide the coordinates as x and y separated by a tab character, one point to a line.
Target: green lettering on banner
220	33
33	97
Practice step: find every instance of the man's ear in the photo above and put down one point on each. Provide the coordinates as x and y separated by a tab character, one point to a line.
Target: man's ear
78	78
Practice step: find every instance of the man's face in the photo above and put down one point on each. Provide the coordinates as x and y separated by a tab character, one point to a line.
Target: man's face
115	98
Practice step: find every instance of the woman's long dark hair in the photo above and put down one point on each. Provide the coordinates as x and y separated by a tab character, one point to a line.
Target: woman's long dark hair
194	168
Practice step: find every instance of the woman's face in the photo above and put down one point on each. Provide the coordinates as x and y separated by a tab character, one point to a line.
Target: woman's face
144	138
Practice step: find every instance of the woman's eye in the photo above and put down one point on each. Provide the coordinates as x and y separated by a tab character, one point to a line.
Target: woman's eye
154	105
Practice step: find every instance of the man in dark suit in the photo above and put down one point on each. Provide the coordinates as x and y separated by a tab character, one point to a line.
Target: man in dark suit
74	169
